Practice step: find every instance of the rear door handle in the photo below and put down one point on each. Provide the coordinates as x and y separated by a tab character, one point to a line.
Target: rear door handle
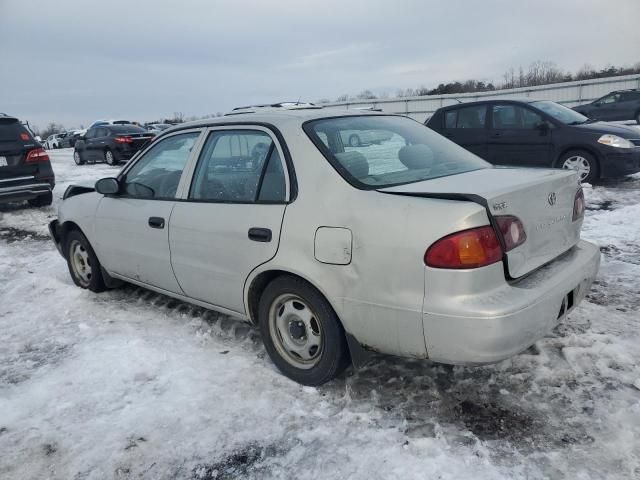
260	234
156	222
497	134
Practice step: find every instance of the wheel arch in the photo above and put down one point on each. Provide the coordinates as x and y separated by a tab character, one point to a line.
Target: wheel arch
259	281
586	148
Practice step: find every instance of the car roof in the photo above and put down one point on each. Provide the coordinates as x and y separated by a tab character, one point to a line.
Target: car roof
493	100
275	117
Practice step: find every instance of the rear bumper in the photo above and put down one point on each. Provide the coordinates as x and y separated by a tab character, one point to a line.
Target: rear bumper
619	162
25	191
489	326
56	235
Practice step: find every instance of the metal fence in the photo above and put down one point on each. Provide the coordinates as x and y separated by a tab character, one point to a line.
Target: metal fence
568	93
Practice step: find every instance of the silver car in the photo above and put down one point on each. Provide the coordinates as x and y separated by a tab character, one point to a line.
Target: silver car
413	247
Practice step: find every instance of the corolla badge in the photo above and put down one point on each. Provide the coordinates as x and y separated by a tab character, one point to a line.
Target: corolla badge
552	198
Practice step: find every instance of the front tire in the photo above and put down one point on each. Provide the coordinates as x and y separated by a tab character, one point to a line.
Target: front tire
77	157
83	264
41	200
583	162
301	332
354	141
110	158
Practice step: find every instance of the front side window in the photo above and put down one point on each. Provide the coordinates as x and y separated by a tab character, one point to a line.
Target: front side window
466	117
613	98
239	166
412	152
514	117
157	173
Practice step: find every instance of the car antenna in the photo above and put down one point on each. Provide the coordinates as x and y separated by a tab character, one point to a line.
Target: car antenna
458	100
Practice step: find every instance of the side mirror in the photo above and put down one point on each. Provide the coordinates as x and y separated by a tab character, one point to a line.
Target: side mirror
108	186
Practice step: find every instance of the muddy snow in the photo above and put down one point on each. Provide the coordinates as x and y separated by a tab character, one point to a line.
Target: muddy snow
132	384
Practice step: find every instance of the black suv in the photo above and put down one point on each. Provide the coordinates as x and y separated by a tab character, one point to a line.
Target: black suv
540	134
110	143
619	105
25	169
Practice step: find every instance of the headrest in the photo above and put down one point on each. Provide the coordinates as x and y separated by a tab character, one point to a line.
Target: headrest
355	163
415	157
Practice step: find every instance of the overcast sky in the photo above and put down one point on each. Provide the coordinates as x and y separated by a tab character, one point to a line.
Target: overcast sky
76	61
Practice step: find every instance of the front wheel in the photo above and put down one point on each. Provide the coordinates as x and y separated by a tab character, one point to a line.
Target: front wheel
77	157
110	158
354	141
582	162
84	266
301	332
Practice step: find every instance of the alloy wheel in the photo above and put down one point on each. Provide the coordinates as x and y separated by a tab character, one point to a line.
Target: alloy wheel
578	163
80	264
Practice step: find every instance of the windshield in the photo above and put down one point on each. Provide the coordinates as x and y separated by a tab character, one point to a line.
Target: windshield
560	112
376	151
126	129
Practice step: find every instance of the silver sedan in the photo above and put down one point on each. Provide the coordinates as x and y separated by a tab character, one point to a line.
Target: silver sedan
411	246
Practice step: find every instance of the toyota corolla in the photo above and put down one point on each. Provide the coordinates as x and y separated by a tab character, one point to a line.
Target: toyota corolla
412	246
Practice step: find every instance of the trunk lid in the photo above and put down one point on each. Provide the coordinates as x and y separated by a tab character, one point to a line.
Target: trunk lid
541	198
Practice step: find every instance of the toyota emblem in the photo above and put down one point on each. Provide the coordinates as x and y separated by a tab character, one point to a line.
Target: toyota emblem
552	198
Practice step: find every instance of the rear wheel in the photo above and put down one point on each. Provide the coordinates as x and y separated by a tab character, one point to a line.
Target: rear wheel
77	157
84	266
354	140
638	118
301	332
41	200
584	163
110	158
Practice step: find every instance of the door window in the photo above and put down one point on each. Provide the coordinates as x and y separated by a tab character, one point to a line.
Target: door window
239	166
466	117
90	134
157	173
613	98
514	117
629	96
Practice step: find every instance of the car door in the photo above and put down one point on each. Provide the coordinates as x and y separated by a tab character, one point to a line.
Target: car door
131	228
518	136
608	107
230	219
628	106
89	144
466	126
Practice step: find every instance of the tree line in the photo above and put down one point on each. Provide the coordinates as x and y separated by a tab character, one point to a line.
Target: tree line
538	73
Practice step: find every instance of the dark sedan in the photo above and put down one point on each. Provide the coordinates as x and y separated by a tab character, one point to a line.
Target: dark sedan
619	105
110	143
540	134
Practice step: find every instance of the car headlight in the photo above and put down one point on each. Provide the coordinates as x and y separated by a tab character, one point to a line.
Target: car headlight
615	141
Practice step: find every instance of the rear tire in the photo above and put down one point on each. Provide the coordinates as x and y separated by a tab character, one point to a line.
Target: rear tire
301	332
354	141
110	158
77	157
583	162
83	264
42	200
638	118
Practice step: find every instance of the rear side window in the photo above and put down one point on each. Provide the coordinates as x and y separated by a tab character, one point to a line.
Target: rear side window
13	132
467	117
514	117
630	96
239	166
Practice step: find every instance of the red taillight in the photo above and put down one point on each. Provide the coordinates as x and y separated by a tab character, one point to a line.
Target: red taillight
472	248
512	231
123	139
578	205
24	137
36	156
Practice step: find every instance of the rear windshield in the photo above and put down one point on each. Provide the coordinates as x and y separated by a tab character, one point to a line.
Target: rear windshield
126	129
376	151
11	131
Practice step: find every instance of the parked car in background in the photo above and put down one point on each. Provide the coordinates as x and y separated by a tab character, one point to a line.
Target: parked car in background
363	137
618	105
110	143
157	128
111	122
72	137
418	249
55	141
25	169
540	134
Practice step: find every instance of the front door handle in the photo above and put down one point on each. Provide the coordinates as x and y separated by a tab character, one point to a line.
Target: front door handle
156	222
260	234
496	134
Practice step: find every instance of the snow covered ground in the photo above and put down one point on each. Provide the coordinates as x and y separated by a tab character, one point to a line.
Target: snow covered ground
132	384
